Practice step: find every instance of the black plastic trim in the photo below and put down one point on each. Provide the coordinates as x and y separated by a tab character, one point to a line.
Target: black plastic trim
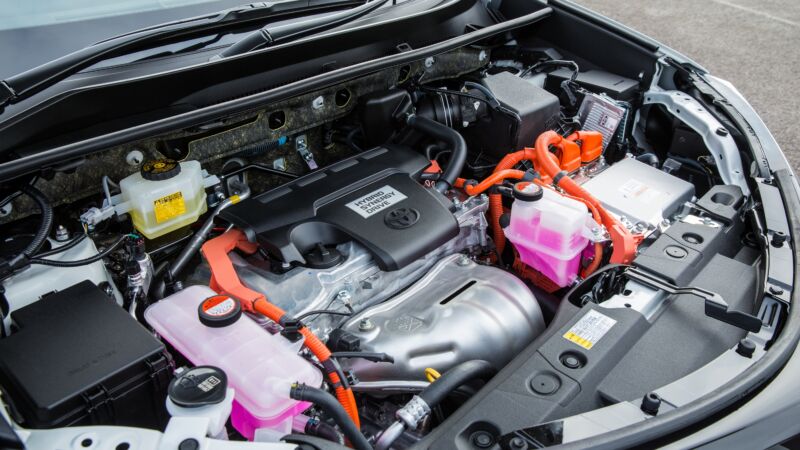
736	390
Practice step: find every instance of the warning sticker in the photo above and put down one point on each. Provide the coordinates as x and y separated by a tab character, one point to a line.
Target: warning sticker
635	189
222	308
376	201
589	329
169	207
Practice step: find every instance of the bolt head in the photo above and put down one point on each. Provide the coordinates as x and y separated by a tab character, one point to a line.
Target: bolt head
429	62
482	55
775	290
365	325
518	442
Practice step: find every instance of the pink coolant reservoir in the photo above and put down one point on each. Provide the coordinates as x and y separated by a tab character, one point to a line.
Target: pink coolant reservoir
261	367
549	232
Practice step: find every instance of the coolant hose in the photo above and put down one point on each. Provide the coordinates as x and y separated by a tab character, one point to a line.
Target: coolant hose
621	238
225	281
453	378
200	235
332	408
491	180
451	137
496	201
420	406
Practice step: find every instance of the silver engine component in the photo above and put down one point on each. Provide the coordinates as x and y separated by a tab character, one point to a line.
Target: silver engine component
358	282
640	195
459	311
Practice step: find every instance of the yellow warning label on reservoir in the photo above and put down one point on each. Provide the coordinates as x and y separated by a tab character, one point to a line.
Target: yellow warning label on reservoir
169	207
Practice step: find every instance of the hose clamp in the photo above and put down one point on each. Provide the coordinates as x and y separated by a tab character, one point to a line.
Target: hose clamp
413	412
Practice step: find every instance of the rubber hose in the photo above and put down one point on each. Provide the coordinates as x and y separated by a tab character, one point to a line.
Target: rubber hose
46	223
493	179
334	409
323	354
496	201
454	140
455	377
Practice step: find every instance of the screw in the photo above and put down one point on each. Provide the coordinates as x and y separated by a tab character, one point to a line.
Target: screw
650	403
482	55
746	348
778	238
365	325
134	158
518	442
62	234
429	62
482	439
775	290
344	297
189	444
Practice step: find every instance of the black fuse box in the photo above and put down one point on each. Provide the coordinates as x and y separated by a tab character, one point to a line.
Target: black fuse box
80	359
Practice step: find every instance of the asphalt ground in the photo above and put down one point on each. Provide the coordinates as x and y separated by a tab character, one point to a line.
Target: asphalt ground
754	44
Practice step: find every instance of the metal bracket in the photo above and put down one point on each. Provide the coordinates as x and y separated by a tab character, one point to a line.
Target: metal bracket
301	145
716	307
716	137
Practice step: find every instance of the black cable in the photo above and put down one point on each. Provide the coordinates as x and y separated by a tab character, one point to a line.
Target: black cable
334	410
323	311
81	262
10	197
460	94
557	63
75	241
45	225
369	356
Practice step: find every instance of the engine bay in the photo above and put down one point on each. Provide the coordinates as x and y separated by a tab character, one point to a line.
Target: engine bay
455	253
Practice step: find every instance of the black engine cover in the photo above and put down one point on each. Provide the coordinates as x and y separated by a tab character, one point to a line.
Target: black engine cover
374	198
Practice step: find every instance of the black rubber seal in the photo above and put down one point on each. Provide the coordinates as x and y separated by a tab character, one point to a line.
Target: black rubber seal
559	176
523	192
219	311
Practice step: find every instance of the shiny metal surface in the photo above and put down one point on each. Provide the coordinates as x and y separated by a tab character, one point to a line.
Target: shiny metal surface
356	283
458	311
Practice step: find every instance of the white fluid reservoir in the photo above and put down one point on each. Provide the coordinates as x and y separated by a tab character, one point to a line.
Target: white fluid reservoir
164	196
549	231
261	367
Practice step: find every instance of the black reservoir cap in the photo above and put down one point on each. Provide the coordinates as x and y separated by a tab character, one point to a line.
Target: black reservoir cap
198	386
219	311
160	169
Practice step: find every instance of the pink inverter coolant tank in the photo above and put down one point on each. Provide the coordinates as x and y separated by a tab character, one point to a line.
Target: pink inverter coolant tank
209	329
549	232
